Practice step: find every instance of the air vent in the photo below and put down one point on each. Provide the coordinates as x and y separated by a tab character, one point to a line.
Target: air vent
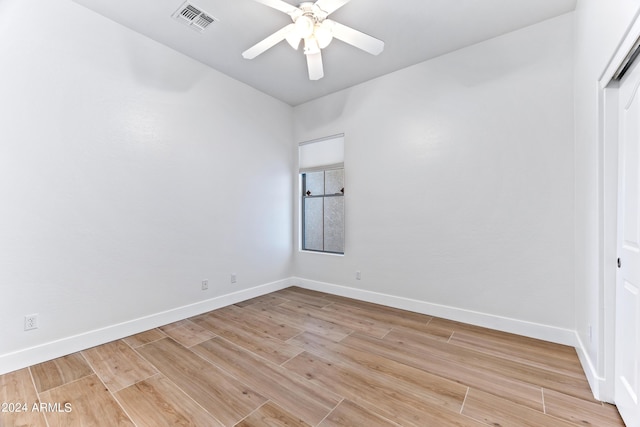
193	17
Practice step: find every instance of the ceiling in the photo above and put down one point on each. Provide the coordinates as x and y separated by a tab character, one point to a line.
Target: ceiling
413	31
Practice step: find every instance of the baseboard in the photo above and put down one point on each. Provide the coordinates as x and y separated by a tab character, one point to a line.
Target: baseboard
26	357
41	353
598	384
505	324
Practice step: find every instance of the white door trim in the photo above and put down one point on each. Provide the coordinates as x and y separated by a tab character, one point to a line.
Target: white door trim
601	372
603	380
624	47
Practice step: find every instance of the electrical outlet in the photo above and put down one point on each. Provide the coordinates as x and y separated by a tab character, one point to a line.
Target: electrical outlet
30	322
234	278
358	277
205	285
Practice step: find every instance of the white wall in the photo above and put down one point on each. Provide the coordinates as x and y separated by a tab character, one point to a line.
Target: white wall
128	174
459	182
600	27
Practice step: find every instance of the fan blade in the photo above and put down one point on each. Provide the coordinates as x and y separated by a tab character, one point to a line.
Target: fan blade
356	38
314	64
268	43
330	6
282	6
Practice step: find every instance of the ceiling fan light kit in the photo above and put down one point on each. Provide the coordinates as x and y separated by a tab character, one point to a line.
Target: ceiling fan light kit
311	26
304	26
323	34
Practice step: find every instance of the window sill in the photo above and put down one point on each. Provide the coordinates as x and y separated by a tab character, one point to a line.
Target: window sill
303	251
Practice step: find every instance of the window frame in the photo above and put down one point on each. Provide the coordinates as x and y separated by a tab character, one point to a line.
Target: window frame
304	197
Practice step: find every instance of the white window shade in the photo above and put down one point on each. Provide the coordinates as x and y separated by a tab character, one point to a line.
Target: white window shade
325	153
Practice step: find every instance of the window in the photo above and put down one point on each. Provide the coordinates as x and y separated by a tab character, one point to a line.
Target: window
323	211
322	195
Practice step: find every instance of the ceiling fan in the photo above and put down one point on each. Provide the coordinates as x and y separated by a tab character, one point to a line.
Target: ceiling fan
311	26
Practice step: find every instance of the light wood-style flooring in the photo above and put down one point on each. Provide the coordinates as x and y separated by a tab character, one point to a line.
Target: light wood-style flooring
302	358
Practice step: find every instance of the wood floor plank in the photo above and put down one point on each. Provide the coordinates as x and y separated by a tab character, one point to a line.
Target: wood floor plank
445	328
418	318
60	371
555	357
309	292
19	393
500	367
90	402
293	296
143	338
507	345
508	388
264	300
271	415
258	342
581	412
223	396
157	401
382	372
349	414
187	333
381	398
257	321
348	320
117	365
375	314
304	321
288	390
496	411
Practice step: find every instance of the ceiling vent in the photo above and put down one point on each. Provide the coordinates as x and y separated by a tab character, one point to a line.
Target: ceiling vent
193	17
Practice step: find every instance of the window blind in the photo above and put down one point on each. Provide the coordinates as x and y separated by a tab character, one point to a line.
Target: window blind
321	154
